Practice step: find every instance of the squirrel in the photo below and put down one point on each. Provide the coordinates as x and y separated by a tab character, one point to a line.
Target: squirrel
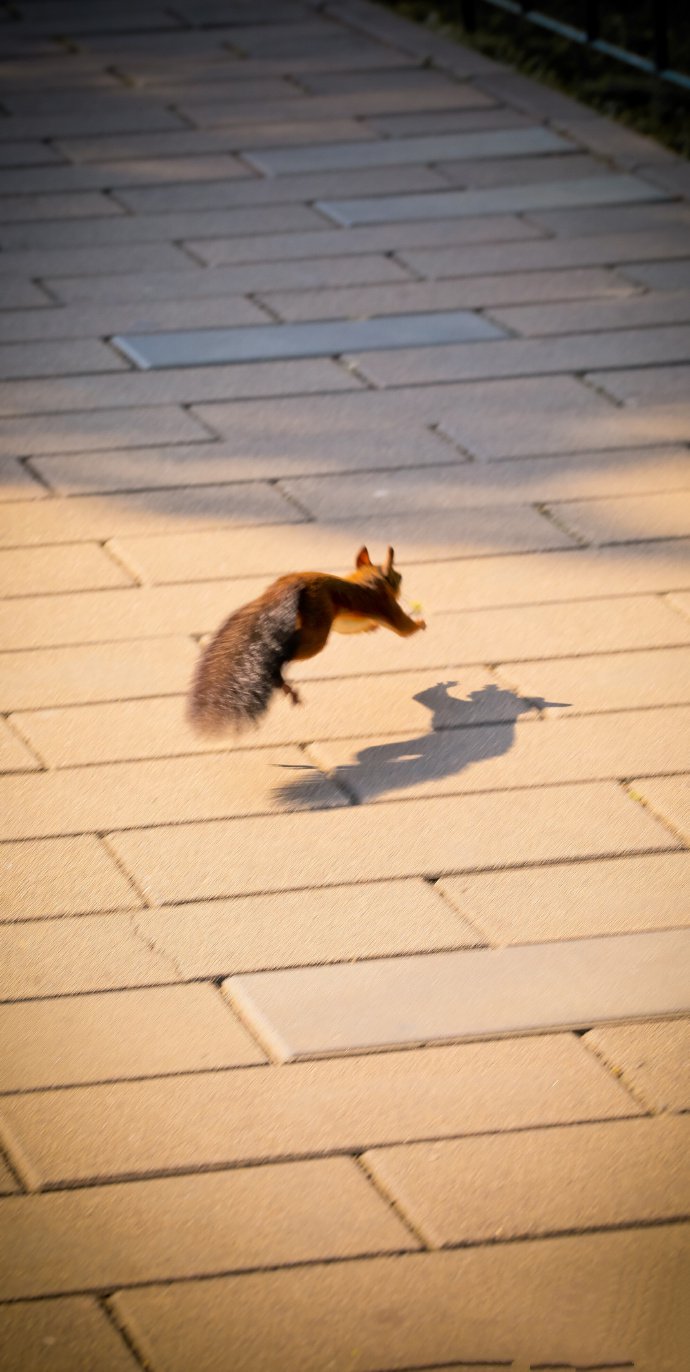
242	665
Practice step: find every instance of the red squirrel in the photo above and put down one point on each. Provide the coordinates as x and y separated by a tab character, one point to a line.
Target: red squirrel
243	664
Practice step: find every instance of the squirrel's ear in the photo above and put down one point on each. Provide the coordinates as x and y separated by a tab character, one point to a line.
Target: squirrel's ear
389	562
363	558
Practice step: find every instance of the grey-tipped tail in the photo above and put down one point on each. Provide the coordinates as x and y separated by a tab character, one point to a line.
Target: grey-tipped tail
241	666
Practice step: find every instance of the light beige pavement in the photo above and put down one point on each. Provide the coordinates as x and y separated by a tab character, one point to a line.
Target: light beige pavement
361	1042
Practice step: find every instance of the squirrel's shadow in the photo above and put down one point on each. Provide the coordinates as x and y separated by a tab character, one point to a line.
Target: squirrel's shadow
446	749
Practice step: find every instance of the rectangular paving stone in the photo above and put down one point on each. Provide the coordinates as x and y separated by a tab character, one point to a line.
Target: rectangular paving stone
366	239
430	535
166	790
623	219
394	152
421	122
616	681
57	359
150	727
216	938
18	294
274	191
125	1234
195	142
597	250
626	313
660	276
623	895
480	992
252	452
500	756
59	676
75	205
507	172
128	1033
651	385
259	274
594	190
593	1176
593	1299
652	1059
628	518
582	475
17	483
8	1185
102	516
86	321
200	347
485	292
67	957
14	755
223	1118
667	797
29	571
93	261
66	1328
61	876
98	428
526	356
406	838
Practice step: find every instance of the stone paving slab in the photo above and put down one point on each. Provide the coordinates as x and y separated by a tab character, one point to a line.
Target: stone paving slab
217	195
496	757
664	385
85	430
464	995
42	804
117	1236
30	571
651	1058
583	899
394	152
205	1119
146	1033
14	756
404	838
496	1303
595	250
453	204
558	1180
667	797
482	292
58	676
58	359
200	347
70	956
622	681
628	518
607	314
84	321
74	1333
61	876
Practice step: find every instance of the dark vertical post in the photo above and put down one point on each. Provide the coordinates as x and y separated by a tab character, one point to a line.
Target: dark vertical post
660	35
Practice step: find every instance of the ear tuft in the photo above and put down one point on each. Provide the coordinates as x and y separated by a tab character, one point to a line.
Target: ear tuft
363	558
389	562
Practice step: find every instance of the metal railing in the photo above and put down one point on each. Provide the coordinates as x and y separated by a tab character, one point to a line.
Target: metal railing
656	64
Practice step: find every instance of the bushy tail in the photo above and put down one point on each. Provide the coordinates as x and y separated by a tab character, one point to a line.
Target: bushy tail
241	666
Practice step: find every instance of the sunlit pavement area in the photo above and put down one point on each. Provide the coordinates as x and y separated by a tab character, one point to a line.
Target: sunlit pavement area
357	1042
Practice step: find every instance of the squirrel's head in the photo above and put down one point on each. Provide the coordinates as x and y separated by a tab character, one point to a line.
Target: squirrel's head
386	572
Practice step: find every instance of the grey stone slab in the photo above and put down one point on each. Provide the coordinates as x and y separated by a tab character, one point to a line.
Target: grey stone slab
289	133
57	359
200	347
160	229
18	294
94	321
672	178
662	307
528	357
423	122
275	191
507	172
120	115
28	154
605	250
242	122
653	385
595	190
371	238
261	274
633	218
77	206
394	152
108	176
467	292
70	1335
135	257
660	276
469	994
55	433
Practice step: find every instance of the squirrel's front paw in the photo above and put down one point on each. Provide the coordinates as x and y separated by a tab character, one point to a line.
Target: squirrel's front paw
420	624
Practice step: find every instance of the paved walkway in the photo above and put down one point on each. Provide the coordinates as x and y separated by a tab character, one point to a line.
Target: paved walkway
356	1045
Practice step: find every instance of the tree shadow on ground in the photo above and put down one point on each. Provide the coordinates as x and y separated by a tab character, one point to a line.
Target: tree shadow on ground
462	733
